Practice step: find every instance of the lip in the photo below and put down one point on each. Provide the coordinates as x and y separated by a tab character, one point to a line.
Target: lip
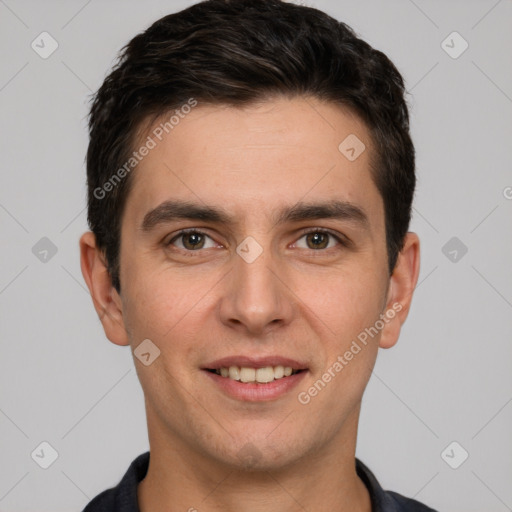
255	392
255	362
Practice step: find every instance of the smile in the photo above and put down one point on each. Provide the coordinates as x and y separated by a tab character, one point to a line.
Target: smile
260	375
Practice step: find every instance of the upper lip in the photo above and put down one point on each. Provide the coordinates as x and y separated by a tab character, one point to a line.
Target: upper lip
255	362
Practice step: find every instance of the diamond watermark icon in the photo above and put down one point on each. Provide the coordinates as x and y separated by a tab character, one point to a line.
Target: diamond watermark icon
44	45
44	250
146	352
44	455
454	249
454	455
454	45
249	455
249	250
351	147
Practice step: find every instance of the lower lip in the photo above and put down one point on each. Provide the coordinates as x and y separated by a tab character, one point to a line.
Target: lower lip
256	392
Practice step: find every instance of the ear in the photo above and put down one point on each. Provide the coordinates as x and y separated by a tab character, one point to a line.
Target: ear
401	288
107	301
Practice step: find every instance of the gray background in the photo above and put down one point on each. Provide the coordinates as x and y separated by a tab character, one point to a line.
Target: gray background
448	379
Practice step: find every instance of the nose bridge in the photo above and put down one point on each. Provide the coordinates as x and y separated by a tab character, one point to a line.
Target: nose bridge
256	297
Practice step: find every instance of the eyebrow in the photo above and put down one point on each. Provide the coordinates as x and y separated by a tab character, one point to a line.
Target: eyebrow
172	210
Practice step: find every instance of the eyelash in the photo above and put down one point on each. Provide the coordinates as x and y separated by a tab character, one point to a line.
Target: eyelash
343	242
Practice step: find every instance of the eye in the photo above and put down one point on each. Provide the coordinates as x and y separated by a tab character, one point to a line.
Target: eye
320	239
191	240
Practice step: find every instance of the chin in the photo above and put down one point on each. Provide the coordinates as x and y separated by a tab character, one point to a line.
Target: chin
254	455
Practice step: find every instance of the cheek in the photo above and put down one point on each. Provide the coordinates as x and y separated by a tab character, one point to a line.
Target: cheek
166	307
348	305
346	301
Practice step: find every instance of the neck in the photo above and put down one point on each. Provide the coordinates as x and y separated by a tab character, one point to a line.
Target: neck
181	479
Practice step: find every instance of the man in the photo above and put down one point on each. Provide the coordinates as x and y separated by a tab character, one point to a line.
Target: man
250	176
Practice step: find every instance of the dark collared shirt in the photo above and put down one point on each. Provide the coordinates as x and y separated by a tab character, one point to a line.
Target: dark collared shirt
123	497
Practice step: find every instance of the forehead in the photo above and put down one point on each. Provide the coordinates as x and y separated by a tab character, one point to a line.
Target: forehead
255	159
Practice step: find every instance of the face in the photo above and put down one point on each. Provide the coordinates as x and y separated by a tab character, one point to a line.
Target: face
283	265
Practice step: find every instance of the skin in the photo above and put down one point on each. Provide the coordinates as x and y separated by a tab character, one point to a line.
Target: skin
294	300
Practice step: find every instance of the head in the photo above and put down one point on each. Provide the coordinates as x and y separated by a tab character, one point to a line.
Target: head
238	113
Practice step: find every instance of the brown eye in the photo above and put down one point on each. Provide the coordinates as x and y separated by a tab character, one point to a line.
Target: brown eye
192	240
317	240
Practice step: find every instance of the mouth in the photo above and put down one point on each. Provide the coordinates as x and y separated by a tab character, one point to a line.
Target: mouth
262	375
255	379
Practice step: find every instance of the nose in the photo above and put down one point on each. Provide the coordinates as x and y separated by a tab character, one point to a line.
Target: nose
256	298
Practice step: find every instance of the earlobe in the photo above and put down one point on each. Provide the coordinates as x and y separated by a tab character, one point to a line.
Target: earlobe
105	298
401	288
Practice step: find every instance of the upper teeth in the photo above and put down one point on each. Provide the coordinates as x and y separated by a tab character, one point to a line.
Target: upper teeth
245	374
